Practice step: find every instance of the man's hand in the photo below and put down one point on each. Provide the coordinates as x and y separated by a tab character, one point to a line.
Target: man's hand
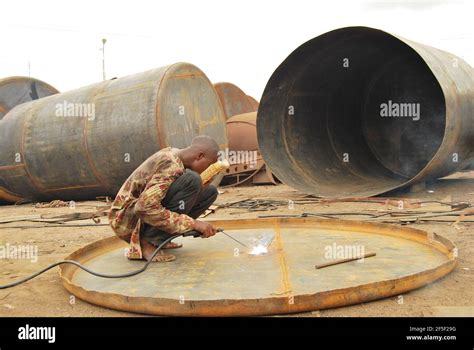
205	228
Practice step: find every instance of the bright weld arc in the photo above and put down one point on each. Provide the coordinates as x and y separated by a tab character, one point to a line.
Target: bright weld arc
258	250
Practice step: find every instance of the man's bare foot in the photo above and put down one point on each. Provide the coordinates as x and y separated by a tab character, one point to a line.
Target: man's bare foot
172	245
148	249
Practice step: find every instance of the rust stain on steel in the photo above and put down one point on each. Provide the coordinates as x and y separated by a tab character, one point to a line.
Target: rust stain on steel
7	196
253	101
285	274
135	116
8	167
312	140
242	132
406	259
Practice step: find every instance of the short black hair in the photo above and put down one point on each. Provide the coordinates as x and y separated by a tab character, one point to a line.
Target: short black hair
205	144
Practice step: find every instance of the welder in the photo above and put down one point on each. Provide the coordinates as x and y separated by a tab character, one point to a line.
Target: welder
165	196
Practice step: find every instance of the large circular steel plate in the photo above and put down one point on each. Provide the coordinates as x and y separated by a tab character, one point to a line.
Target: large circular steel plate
217	277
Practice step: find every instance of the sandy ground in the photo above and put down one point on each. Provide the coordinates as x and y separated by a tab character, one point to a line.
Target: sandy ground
45	296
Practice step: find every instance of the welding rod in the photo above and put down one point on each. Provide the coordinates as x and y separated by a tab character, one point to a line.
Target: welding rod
195	234
242	244
341	261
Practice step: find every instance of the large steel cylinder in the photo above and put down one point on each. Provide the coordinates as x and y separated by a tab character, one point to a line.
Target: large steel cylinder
15	91
85	143
234	100
359	112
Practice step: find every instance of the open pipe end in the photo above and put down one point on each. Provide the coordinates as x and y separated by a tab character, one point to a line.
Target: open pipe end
353	112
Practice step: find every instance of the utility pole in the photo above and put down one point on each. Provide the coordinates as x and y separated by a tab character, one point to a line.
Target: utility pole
103	58
29	68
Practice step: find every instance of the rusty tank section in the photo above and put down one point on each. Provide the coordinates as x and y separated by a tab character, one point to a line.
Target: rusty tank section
253	102
247	164
241	114
85	143
234	100
358	112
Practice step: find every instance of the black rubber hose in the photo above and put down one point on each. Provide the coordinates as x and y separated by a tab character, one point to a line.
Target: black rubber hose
123	275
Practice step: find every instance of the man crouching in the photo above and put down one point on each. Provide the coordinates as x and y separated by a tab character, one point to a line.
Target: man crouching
164	196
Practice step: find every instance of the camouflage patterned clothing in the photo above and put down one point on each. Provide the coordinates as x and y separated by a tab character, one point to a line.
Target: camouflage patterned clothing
139	201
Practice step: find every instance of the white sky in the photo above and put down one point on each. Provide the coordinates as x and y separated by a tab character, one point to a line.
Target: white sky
241	41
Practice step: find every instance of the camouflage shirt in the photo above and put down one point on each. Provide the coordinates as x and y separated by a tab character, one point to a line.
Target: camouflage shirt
139	201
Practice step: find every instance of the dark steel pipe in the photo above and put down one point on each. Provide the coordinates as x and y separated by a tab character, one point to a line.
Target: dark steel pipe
73	155
322	127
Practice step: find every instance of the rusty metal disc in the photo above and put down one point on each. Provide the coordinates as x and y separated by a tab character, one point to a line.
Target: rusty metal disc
216	277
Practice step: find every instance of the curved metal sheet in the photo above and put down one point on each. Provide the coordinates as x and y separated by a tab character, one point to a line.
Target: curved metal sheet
320	123
105	131
234	100
253	101
242	132
15	91
214	277
7	197
18	90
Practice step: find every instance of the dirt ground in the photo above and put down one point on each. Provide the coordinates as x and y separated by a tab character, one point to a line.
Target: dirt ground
45	296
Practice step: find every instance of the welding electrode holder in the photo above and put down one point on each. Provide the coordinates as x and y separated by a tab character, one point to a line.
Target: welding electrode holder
196	234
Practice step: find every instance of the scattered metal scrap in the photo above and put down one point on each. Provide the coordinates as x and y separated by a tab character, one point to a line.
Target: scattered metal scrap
393	217
25	227
53	204
61	218
266	204
254	204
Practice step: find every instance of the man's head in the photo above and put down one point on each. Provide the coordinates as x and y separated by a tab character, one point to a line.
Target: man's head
202	152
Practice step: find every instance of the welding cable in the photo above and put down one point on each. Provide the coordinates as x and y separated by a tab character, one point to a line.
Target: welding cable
75	263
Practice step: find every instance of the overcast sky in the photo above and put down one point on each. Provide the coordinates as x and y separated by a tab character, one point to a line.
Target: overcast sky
237	41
